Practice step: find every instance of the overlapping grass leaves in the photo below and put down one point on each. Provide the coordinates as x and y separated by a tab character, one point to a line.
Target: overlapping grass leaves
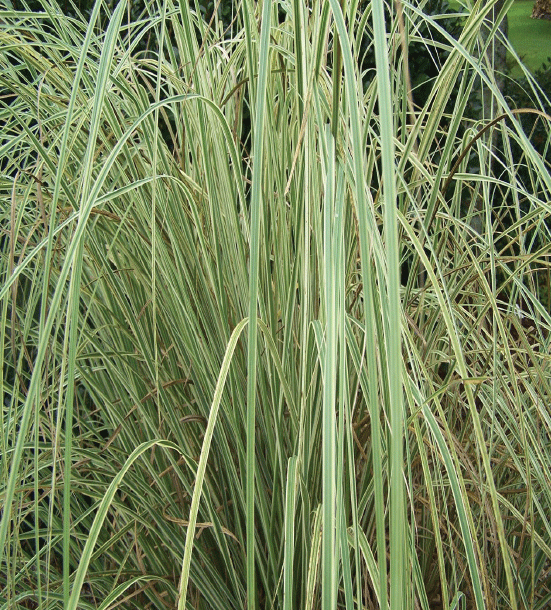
383	441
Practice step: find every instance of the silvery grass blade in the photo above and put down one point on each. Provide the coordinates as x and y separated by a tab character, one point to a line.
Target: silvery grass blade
256	215
329	554
398	550
104	69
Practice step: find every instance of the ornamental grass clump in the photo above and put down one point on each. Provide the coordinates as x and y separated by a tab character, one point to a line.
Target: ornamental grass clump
274	335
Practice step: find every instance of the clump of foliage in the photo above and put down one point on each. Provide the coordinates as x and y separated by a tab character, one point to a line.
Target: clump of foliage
296	363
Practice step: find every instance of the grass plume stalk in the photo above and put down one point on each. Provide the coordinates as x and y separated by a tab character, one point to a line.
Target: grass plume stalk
224	382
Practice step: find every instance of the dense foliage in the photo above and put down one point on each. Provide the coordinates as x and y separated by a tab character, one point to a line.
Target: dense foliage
274	326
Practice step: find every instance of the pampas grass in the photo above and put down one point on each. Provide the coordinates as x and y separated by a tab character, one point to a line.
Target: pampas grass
273	336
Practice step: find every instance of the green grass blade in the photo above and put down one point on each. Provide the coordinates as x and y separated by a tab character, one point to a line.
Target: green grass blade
184	578
256	211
